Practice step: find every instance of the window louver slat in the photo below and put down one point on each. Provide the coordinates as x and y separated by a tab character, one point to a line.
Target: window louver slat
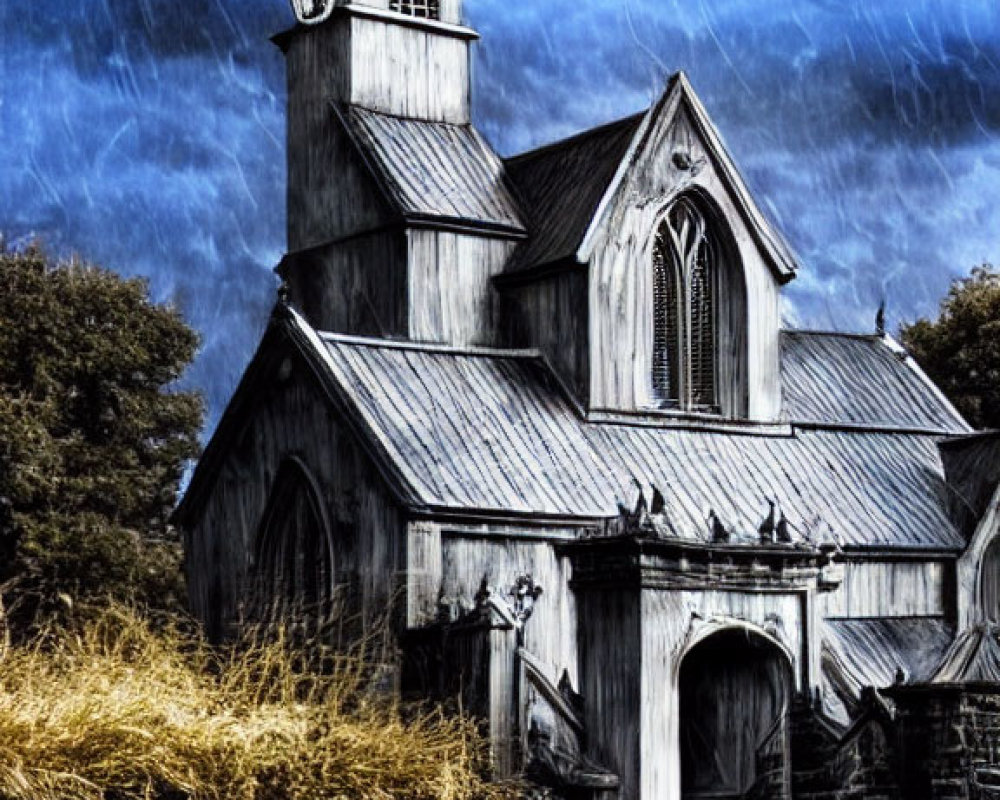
666	338
427	9
702	353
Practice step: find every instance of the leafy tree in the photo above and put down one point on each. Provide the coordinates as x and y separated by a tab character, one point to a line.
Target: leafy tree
961	350
93	439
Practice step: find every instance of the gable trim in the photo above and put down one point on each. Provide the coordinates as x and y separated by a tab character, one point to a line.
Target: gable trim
776	251
285	326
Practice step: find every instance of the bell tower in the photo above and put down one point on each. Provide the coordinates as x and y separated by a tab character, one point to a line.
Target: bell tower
399	212
407	58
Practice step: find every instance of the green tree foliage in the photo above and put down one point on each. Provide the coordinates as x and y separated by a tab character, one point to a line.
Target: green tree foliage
93	440
961	350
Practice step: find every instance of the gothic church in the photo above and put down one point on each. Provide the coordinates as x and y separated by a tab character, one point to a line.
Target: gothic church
539	412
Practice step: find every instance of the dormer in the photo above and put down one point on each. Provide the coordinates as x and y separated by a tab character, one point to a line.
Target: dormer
658	275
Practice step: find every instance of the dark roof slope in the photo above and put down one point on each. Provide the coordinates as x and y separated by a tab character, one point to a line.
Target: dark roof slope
868	381
491	431
561	186
434	169
973	658
871	651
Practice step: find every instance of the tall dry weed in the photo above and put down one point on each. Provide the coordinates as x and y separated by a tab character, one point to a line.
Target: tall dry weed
115	710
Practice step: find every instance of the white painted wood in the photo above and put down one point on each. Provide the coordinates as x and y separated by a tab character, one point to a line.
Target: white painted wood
423	572
411	72
971	565
621	331
550	633
888	589
451	298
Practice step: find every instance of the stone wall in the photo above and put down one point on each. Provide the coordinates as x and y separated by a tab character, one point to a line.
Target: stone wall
949	742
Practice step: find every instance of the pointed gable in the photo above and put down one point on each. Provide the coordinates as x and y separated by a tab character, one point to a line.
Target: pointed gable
695	141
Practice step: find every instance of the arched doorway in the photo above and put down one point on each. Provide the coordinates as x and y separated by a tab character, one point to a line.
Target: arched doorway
989	582
735	689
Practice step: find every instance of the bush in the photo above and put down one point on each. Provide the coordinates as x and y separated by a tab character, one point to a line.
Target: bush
117	710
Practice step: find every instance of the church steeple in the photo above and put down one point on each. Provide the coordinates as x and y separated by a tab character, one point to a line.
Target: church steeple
408	58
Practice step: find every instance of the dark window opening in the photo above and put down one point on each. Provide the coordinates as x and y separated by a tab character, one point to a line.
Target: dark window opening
427	9
293	559
685	266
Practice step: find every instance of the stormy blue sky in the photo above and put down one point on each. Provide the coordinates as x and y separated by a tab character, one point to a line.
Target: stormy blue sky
148	135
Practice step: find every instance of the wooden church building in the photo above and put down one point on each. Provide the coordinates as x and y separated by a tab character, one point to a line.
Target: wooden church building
539	413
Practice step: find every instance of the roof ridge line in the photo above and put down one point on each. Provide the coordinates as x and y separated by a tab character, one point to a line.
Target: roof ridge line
404	117
823	332
430	347
873	336
573	138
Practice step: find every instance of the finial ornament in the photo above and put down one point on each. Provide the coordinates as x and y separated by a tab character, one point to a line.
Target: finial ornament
312	12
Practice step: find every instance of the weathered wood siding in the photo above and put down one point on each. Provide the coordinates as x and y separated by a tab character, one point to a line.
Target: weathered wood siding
357	286
550	633
451	297
611	642
293	418
330	191
551	314
409	71
621	302
889	589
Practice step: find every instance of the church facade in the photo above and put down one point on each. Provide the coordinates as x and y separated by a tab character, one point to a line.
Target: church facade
539	416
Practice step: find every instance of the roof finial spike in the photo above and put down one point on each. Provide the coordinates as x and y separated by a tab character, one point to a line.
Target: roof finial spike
719	533
658	505
766	529
880	318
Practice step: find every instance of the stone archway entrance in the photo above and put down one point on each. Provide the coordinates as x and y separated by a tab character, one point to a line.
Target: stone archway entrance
735	691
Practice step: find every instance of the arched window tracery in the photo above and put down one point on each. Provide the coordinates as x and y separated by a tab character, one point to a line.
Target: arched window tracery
685	326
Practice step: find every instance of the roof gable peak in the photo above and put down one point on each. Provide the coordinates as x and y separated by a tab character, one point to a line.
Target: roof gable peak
679	94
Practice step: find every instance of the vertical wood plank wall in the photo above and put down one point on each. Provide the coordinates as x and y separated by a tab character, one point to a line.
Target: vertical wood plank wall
409	72
358	286
611	643
293	418
550	634
330	192
451	297
888	589
621	331
551	314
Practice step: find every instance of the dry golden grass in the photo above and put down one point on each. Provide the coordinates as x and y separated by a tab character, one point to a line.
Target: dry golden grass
116	711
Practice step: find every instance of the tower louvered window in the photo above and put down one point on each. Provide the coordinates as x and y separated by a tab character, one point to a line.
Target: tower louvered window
427	9
684	299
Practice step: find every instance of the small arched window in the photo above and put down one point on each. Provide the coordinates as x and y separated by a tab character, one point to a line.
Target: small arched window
426	9
685	325
293	557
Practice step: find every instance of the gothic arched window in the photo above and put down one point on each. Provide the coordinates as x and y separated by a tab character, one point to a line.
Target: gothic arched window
685	326
293	557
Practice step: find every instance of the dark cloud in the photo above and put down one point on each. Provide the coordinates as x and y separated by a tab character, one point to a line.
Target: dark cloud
148	135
